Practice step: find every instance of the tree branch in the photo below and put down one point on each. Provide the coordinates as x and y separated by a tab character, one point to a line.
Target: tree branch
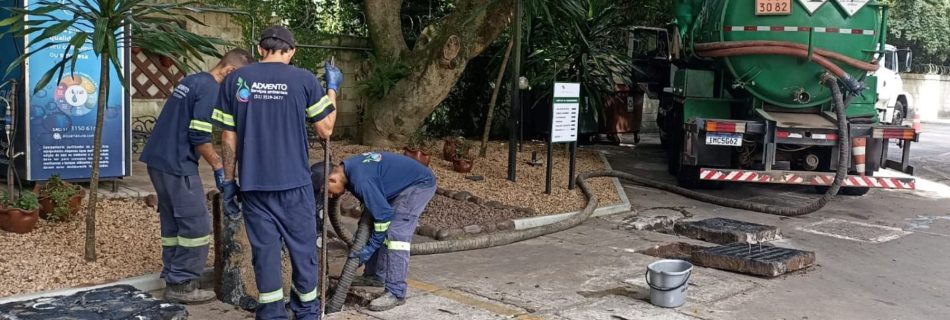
385	28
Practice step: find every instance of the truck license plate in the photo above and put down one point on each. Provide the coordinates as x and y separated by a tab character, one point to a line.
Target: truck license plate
724	139
773	7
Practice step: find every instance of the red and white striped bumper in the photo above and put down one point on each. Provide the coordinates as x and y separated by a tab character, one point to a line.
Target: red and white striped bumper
805	178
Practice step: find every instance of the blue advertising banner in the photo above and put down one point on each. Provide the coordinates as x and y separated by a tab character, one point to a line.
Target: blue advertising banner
62	115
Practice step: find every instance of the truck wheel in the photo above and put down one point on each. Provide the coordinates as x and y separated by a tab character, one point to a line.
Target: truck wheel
898	118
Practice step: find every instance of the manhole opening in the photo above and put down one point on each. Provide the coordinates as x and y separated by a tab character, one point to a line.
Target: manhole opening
676	250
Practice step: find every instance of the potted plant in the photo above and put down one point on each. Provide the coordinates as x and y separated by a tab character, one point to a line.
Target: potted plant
462	161
417	148
58	199
449	144
19	215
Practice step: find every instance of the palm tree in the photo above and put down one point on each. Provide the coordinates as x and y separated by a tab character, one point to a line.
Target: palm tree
102	23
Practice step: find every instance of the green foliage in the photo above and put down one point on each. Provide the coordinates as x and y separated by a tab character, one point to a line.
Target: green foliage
922	25
419	140
384	76
153	27
59	192
27	201
463	148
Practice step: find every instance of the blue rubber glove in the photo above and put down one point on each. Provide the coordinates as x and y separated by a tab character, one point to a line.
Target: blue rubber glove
230	189
333	77
375	242
219	179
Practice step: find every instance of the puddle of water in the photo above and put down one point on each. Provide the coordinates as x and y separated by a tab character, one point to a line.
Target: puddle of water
922	222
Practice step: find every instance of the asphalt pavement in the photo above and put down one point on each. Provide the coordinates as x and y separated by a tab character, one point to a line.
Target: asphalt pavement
879	256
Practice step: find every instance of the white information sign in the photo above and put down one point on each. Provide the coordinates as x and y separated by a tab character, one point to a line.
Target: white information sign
565	115
852	6
812	5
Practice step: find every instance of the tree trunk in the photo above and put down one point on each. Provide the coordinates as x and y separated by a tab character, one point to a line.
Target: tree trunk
96	155
435	66
494	98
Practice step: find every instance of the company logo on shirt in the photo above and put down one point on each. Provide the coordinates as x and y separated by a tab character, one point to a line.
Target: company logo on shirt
243	93
372	157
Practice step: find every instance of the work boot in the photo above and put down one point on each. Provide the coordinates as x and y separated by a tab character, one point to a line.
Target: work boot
385	302
361	281
187	293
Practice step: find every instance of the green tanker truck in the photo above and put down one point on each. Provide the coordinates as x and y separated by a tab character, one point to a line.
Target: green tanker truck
747	92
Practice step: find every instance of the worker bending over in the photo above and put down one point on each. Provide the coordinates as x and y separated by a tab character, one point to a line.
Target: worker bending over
395	189
264	109
182	133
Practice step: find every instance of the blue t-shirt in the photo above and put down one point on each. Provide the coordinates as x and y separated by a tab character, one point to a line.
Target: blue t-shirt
269	105
376	178
185	122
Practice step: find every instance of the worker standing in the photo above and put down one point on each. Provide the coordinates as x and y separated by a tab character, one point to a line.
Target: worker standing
264	109
395	189
181	134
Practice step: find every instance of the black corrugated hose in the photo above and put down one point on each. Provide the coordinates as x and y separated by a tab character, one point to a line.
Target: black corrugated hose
352	264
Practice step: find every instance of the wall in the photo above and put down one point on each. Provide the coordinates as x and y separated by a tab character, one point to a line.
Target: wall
931	95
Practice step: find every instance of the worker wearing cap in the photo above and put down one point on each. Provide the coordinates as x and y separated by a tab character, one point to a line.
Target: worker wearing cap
395	189
264	109
181	134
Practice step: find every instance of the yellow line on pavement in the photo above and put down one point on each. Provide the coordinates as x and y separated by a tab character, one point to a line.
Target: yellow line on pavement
467	300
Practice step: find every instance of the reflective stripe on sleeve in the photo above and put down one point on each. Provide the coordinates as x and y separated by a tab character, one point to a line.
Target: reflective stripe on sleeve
319	107
222	117
200	126
194	242
382	226
398	245
307	297
169	241
270	297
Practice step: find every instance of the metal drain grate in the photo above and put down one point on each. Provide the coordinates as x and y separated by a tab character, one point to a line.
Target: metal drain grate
723	231
761	260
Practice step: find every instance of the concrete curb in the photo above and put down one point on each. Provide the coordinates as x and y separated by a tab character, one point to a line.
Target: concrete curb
145	283
624	206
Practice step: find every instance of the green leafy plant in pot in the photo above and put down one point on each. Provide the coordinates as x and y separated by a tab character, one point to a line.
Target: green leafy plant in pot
417	148
59	199
20	214
463	161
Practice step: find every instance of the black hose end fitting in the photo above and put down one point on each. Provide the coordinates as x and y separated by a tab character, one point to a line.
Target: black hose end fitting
854	86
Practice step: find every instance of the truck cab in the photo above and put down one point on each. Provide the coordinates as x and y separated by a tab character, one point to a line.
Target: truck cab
894	104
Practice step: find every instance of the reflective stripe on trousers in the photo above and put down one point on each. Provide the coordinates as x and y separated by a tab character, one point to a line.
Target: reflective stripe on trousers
185	225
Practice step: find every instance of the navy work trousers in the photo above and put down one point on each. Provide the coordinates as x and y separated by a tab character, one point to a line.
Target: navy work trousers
275	219
390	264
185	225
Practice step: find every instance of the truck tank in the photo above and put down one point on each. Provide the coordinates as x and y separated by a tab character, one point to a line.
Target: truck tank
744	35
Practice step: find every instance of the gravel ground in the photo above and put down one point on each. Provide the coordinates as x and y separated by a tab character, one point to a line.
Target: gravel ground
444	212
528	191
51	256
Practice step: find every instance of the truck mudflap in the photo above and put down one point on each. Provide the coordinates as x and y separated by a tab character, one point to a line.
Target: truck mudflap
805	178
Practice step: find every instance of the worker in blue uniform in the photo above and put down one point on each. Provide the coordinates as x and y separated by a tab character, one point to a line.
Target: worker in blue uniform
395	190
264	109
181	134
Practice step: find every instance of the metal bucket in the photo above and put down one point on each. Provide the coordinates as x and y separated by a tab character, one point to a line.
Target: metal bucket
668	280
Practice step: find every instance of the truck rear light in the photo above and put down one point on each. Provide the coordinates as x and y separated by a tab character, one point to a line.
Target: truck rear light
725	126
893	133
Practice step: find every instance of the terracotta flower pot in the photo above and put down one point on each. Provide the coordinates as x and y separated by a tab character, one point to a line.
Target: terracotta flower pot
18	221
167	62
47	207
463	165
448	149
136	50
420	155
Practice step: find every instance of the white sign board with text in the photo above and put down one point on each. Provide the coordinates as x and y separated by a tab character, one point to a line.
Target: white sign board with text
565	114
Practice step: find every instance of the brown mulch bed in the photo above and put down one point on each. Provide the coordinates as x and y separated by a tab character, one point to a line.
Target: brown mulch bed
51	256
527	192
445	212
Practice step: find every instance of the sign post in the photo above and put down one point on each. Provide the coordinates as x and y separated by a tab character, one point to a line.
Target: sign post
565	113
